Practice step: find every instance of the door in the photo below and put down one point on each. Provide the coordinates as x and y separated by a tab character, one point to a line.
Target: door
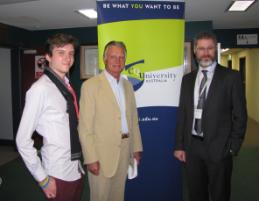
29	61
6	111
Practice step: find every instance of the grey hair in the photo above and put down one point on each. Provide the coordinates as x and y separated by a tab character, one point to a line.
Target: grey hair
114	43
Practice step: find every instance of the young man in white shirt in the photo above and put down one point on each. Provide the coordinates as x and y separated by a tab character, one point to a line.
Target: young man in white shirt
51	109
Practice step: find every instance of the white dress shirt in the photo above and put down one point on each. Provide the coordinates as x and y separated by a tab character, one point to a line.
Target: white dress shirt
210	72
118	91
45	111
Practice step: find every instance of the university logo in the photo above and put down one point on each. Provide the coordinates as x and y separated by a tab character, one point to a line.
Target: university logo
134	75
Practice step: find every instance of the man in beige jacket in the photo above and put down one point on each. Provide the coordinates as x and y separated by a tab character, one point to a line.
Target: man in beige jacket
108	127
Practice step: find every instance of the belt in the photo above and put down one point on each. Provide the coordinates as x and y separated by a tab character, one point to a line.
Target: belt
124	135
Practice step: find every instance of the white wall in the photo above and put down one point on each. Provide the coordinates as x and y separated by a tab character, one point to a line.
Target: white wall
6	116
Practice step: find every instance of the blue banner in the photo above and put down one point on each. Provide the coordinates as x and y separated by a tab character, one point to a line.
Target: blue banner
153	32
114	11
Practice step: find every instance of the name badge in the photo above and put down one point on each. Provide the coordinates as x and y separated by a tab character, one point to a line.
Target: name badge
197	113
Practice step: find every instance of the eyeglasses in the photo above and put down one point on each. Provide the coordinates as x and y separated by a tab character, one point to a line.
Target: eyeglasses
203	49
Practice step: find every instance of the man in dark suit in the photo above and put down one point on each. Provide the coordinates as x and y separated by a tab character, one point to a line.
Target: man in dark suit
211	123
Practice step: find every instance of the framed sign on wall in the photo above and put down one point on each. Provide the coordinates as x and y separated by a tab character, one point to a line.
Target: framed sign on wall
88	61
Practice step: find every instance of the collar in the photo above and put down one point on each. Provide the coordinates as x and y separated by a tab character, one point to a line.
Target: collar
210	68
64	81
111	79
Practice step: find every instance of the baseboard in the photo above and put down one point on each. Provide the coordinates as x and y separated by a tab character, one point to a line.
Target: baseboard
7	143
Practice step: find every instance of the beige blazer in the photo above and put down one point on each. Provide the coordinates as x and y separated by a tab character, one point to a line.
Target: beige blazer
100	123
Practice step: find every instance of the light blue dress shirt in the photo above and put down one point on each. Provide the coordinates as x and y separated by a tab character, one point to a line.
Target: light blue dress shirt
118	91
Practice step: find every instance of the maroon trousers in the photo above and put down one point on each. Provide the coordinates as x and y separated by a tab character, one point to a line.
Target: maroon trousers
68	191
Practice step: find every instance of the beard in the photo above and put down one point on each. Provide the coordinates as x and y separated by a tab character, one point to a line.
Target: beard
205	62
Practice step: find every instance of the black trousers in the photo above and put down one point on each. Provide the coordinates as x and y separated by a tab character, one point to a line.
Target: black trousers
207	180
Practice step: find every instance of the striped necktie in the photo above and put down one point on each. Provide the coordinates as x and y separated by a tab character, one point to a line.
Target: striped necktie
201	101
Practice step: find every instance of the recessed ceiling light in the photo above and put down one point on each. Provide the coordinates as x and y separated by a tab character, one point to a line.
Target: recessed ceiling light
240	5
90	13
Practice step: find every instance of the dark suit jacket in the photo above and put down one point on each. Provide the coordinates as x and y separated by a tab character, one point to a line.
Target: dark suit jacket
224	115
